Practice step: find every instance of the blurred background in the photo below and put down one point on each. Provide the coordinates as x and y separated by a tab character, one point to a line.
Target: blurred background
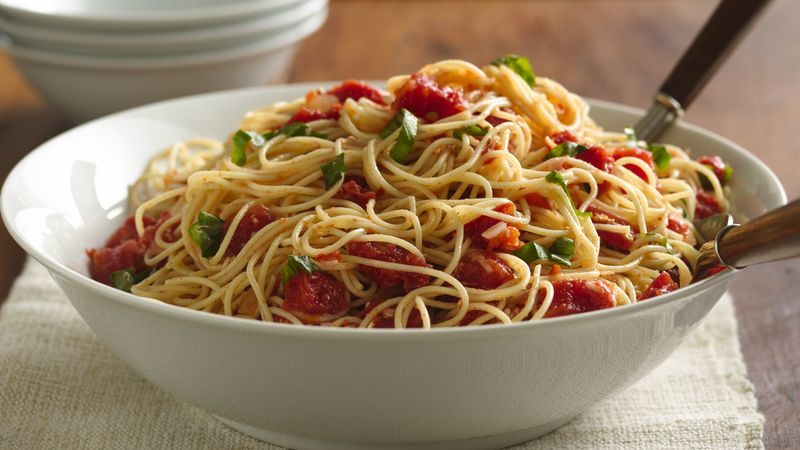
617	50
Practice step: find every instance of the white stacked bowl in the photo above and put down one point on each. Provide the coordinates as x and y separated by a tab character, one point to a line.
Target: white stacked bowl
93	57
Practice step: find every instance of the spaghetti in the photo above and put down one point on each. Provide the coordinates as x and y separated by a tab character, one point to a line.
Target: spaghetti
464	196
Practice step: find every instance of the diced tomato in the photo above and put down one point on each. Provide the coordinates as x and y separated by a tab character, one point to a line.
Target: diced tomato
428	100
306	114
334	256
555	270
678	224
713	271
662	284
482	269
717	166
507	240
356	89
619	241
315	297
644	155
563	136
127	230
128	254
382	251
707	205
126	249
356	190
598	157
255	218
537	201
577	296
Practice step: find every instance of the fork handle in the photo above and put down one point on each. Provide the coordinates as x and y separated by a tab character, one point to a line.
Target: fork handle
771	237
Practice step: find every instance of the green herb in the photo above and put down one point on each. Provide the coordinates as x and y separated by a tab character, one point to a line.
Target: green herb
294	129
407	123
560	252
566	148
518	64
472	130
630	135
333	170
532	252
207	233
123	279
297	264
727	173
661	240
240	141
555	178
661	156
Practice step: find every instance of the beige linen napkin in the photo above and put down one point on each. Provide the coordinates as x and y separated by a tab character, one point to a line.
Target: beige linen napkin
61	388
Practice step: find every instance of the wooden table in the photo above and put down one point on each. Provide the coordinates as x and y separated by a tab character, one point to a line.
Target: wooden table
618	50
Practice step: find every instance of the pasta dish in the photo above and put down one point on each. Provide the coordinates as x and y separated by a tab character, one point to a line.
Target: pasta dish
460	196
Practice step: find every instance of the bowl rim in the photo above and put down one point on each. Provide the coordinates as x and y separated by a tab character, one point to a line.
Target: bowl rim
137	63
132	39
146	19
317	332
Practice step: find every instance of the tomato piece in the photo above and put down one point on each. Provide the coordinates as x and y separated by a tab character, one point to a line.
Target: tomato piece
662	284
315	297
127	230
537	201
600	215
255	218
482	269
678	224
306	114
334	256
356	190
385	318
577	296
717	165
713	271
618	241
382	251
644	155
598	157
356	89
707	205
563	136
428	100
507	240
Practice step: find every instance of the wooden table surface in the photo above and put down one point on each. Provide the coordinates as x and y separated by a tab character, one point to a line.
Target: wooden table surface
617	50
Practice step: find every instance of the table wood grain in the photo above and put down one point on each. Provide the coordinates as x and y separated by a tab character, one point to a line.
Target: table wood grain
617	50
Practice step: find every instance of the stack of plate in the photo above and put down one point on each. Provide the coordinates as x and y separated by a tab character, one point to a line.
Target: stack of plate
93	57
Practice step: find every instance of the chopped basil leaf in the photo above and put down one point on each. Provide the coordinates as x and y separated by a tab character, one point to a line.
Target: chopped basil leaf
518	64
407	123
727	174
630	136
123	279
555	178
558	259
293	129
333	170
472	130
560	252
563	246
207	233
532	252
566	148
661	156
240	141
296	264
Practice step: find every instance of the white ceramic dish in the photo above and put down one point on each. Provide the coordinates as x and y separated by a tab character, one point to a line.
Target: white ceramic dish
307	387
84	87
135	14
121	44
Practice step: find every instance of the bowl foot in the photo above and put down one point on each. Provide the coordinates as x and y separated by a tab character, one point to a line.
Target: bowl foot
484	442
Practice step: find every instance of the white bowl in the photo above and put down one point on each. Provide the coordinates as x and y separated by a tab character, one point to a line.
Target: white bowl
115	44
309	387
113	15
84	87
